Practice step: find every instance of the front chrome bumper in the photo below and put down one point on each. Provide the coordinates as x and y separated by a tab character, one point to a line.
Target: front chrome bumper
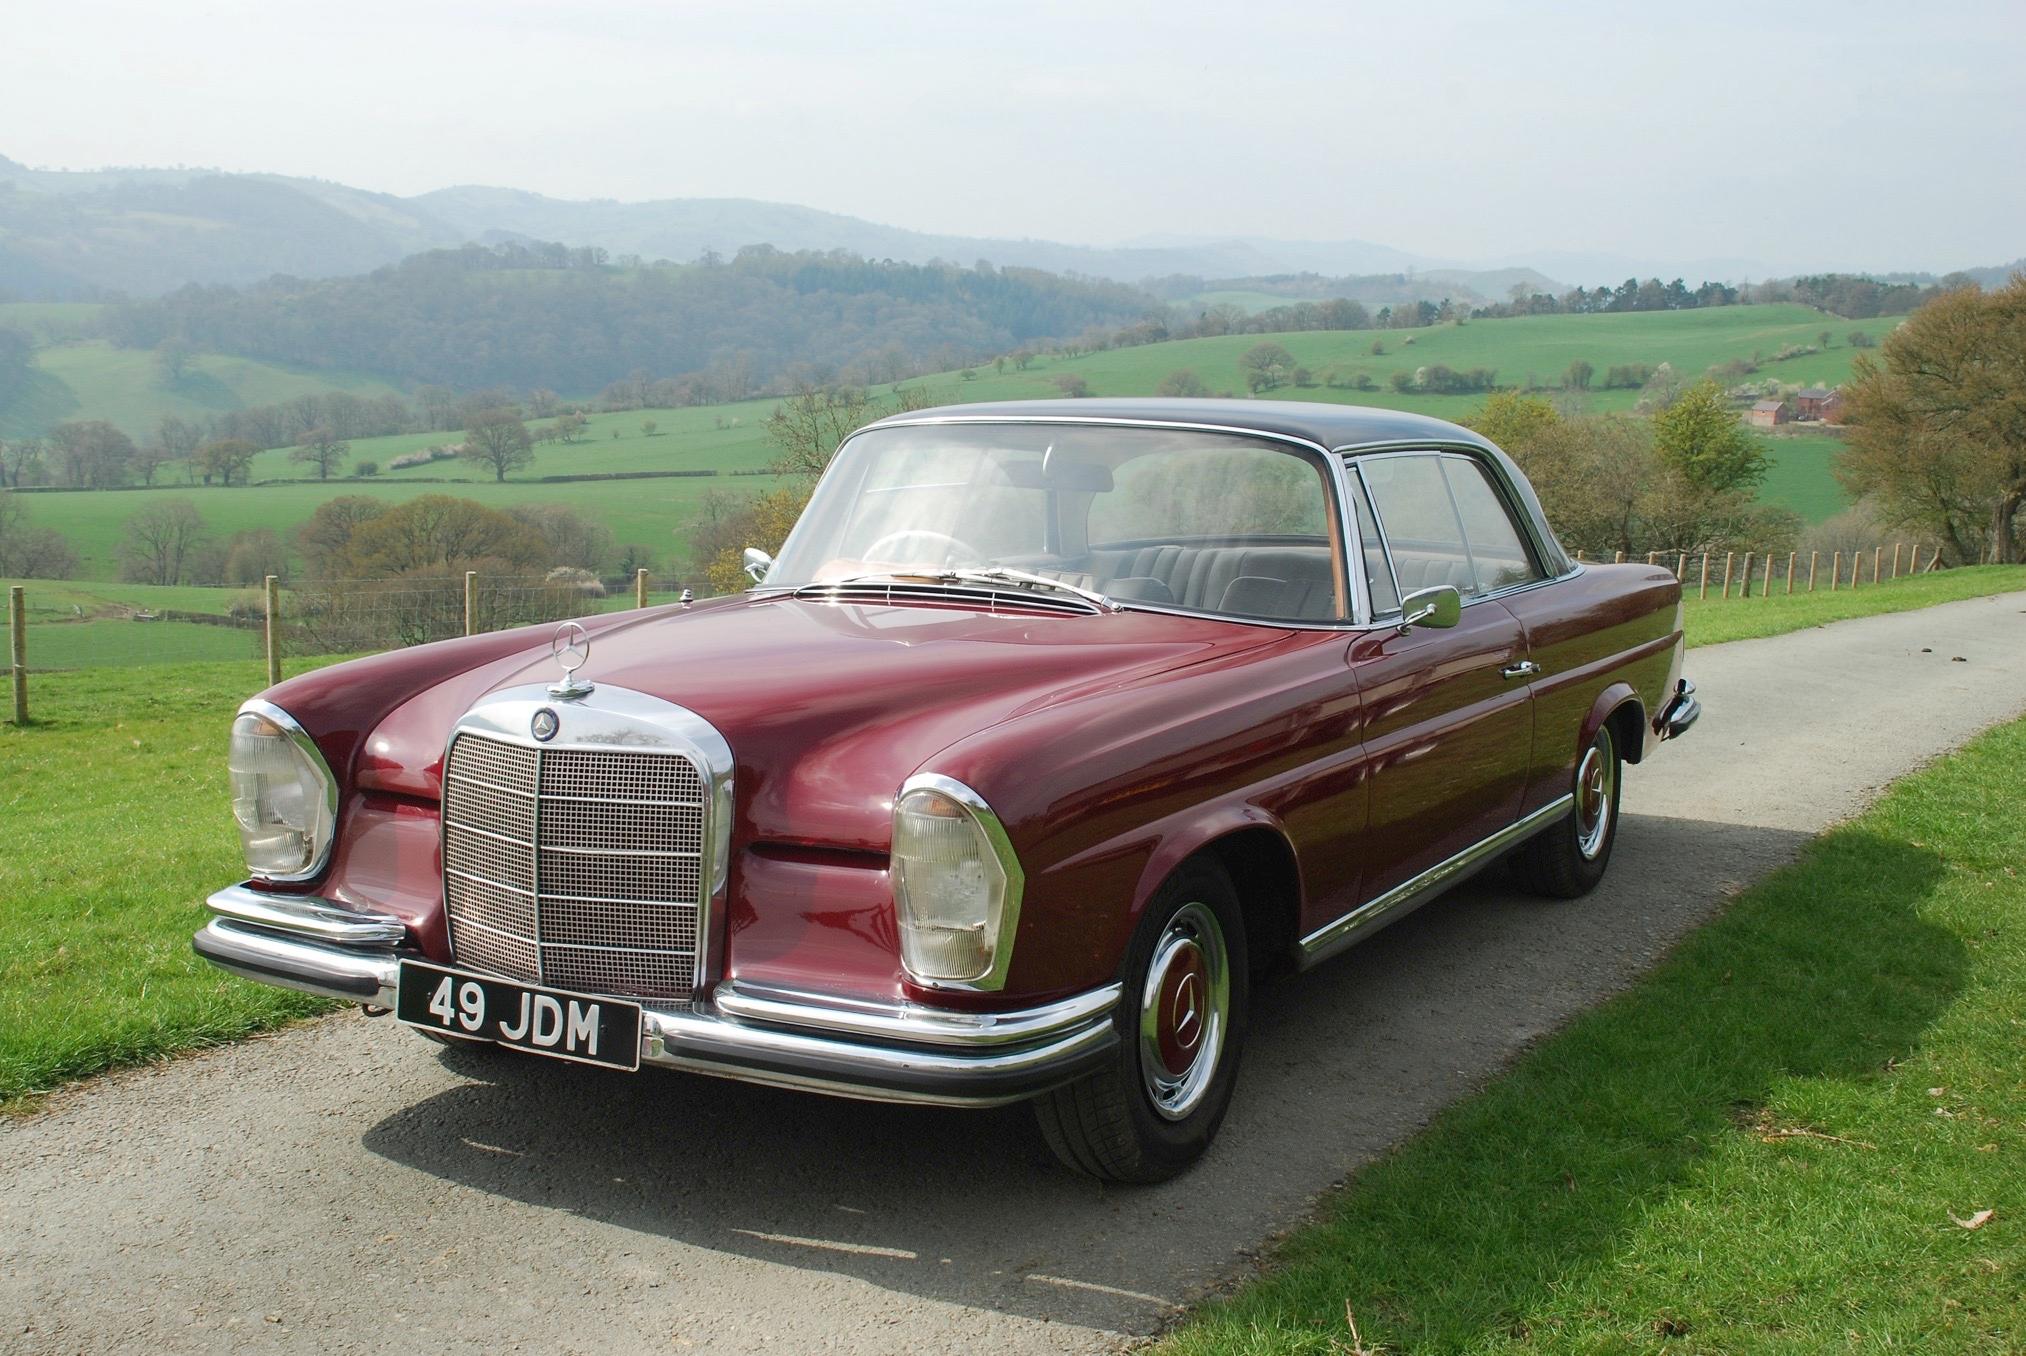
883	1052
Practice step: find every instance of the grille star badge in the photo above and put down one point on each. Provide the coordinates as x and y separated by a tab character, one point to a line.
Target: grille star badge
545	724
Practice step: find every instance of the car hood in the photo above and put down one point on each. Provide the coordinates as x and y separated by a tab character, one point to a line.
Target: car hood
828	707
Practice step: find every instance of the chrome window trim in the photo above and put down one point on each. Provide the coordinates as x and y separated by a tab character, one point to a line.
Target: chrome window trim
290	726
1475	452
1001	844
1350	568
617	719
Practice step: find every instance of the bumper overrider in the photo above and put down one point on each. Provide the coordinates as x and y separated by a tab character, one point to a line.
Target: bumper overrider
1679	713
885	1052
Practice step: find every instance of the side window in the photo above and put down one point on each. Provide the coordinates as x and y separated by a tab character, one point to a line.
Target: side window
1422	531
1497	549
1378	571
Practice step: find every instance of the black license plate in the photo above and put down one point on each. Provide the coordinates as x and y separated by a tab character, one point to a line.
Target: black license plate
580	1027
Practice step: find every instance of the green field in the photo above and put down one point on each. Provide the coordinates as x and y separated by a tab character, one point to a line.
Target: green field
697	437
1802	475
732	437
51	322
648	512
94	380
1541	346
1788	1138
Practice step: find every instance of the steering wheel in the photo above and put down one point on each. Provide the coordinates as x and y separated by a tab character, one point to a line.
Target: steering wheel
953	550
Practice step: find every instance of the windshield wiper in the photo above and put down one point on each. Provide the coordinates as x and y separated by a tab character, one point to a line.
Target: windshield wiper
1006	574
996	574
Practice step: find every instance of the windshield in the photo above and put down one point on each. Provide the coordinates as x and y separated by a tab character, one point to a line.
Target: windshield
1208	522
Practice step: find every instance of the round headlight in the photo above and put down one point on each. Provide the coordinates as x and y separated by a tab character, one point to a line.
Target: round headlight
956	885
283	796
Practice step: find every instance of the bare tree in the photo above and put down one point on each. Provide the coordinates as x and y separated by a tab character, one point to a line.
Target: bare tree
499	441
148	458
28	552
322	449
159	540
809	425
19	459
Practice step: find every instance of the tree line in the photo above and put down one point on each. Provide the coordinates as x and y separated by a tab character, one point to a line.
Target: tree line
528	316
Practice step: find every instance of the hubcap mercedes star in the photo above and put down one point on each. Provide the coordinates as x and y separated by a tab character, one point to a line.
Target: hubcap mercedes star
1596	780
1184	1011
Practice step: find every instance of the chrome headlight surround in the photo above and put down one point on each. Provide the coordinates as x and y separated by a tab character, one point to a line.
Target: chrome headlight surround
284	798
931	804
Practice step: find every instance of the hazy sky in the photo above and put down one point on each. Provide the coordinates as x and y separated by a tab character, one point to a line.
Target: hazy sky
1848	134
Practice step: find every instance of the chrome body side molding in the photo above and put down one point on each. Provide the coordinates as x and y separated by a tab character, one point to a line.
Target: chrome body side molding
1405	897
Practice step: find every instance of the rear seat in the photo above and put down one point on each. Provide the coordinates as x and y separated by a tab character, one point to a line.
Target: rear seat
1260	581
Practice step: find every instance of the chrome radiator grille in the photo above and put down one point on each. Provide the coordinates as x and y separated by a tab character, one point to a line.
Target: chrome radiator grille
578	868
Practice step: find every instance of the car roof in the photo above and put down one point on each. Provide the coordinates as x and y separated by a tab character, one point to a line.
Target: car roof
1332	426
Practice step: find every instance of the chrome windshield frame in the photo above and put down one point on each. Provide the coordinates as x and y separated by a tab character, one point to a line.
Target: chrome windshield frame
1346	548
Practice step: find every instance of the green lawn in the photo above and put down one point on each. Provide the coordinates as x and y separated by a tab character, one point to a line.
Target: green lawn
1770	1145
51	322
1713	620
92	379
116	827
97	644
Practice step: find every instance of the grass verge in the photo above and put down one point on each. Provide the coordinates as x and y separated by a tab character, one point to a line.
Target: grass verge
115	828
1774	1143
1711	621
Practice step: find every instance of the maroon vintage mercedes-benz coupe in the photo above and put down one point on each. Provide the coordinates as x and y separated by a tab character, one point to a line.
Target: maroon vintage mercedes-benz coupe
1054	727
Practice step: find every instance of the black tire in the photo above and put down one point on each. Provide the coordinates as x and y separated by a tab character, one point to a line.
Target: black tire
1567	860
1139	1120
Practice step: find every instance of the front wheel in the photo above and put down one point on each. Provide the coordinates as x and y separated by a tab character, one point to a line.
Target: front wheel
1567	860
1181	1028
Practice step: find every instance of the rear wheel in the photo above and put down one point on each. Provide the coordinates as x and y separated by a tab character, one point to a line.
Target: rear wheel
1181	1026
1567	860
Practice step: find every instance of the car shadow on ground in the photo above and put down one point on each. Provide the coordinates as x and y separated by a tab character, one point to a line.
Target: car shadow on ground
968	1207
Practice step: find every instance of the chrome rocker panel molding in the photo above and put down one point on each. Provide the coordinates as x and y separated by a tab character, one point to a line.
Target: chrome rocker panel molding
1410	894
872	1051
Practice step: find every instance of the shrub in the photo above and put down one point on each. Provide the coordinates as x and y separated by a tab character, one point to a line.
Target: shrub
366	468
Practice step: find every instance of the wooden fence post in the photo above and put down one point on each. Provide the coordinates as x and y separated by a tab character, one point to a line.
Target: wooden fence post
1897	547
471	602
1652	557
1730	559
1745	577
1766	589
1792	556
640	588
17	631
1705	576
1681	568
1813	556
273	592
1835	571
1620	560
1579	557
1877	559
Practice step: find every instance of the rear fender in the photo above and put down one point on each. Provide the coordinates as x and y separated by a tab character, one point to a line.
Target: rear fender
1630	733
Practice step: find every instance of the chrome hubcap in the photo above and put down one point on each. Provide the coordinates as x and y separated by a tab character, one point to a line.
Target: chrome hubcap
1596	787
1184	1009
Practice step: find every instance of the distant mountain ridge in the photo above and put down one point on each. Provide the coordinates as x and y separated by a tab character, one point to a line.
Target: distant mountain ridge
144	231
137	231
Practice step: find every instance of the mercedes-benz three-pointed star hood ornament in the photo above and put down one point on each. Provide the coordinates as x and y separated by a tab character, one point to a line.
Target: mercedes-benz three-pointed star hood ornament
571	647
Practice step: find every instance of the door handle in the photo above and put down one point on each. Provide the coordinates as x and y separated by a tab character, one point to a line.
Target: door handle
1526	668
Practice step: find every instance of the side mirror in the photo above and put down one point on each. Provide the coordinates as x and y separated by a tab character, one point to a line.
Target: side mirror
1440	607
758	562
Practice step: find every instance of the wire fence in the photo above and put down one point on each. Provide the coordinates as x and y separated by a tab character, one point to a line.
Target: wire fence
59	629
52	631
1752	574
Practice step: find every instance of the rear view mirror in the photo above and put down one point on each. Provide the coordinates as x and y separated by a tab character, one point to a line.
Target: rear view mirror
758	562
1440	607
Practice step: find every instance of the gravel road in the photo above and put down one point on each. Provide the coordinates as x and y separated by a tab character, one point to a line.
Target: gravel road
346	1187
